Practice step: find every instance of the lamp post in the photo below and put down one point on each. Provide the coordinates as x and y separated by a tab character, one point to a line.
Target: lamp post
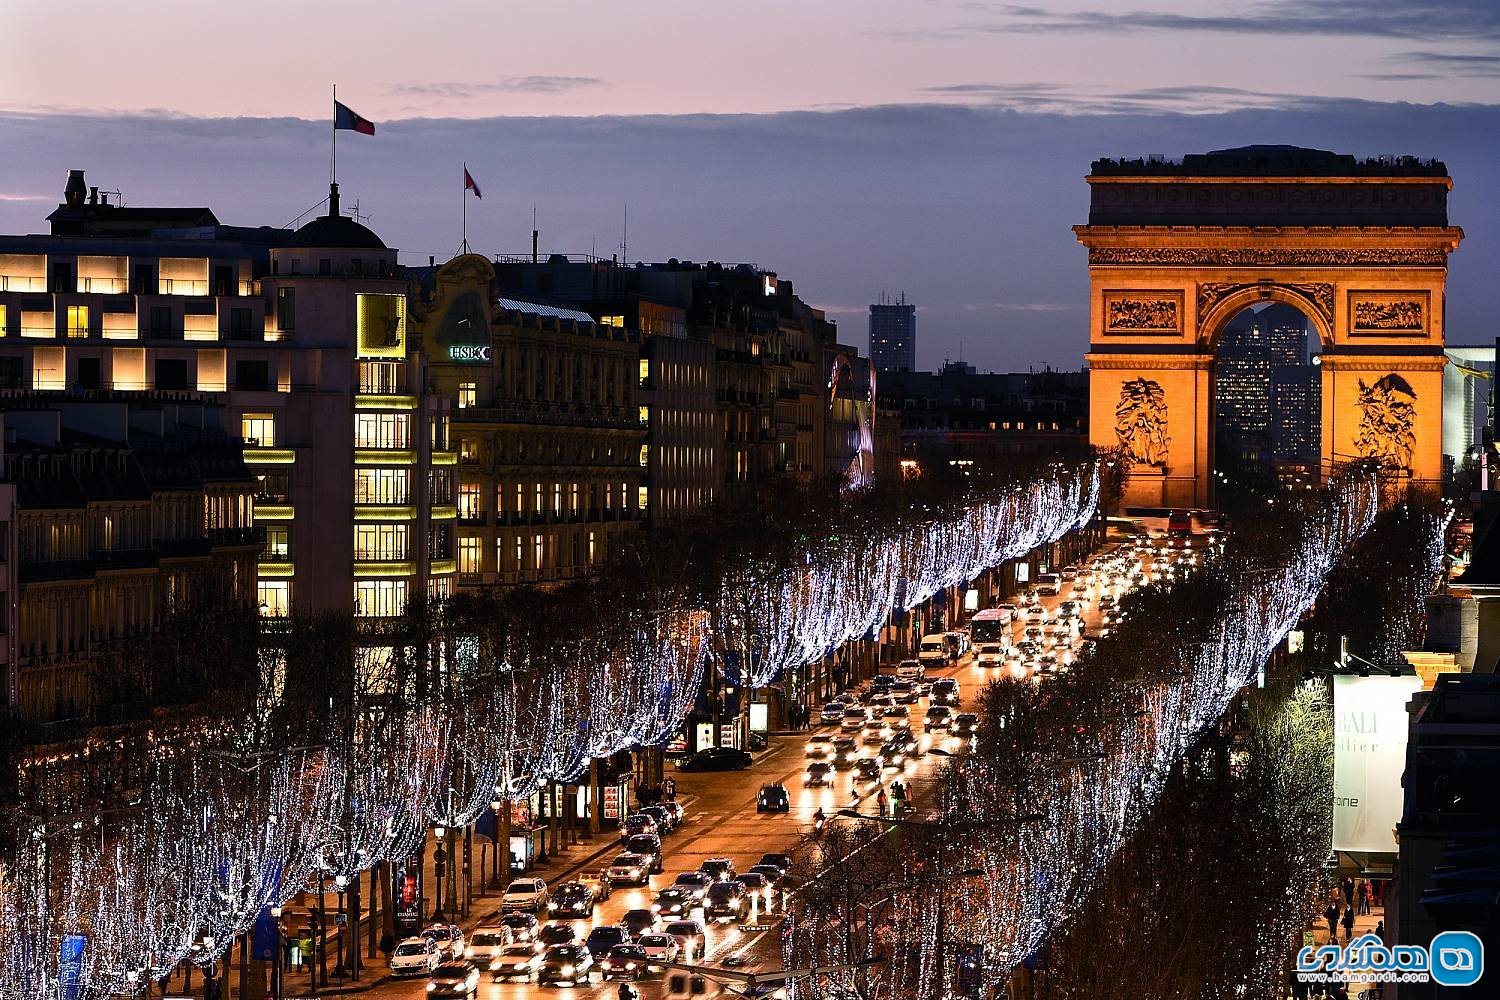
497	804
439	866
276	957
340	886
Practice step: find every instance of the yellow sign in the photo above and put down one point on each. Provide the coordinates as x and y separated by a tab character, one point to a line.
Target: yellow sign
381	323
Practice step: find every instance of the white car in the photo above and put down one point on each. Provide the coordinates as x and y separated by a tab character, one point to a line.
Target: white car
527	894
989	654
449	939
630	869
487	942
516	961
820	745
415	956
661	947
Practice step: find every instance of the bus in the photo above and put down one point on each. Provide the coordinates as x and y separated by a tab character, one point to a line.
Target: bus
990	625
1180	524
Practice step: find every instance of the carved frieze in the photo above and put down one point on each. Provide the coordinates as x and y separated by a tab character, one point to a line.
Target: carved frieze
1141	422
1320	294
1270	256
1388	314
1387	421
1142	312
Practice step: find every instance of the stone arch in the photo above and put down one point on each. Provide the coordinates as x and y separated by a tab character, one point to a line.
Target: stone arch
1211	323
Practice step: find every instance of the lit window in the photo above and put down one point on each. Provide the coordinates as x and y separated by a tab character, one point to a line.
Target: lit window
382	430
380	542
78	321
274	597
469	507
519	551
468	555
641	495
258	429
379	598
381	325
384	486
645	373
591	547
538	506
537	551
645	416
573	492
557	498
467	393
468	450
278	542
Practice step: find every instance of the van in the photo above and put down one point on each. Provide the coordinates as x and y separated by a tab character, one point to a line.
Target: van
934	650
1049	584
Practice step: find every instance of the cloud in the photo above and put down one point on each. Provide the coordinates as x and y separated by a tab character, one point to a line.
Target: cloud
5	196
507	85
1426	19
1034	307
1076	99
1454	63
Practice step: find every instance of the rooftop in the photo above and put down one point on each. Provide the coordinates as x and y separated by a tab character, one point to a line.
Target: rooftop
1264	160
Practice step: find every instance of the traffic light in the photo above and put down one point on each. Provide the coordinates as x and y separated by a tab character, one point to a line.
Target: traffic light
971	969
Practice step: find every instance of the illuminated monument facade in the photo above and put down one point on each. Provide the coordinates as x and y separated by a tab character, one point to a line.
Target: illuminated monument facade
1177	250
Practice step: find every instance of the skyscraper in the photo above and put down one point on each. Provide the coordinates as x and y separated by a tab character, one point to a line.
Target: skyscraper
893	335
1266	394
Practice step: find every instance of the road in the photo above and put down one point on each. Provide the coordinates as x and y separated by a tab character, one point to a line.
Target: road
722	822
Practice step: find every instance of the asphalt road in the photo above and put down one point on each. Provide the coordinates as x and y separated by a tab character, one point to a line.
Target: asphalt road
722	822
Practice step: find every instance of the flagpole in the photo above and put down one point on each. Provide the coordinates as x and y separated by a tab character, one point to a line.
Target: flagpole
333	166
463	192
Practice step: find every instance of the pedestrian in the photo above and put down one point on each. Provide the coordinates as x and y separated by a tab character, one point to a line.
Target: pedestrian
1365	895
1331	914
1348	924
880	802
387	945
671	788
1380	930
1348	886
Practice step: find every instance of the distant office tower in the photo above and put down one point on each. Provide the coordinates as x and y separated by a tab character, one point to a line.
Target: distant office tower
1266	393
893	335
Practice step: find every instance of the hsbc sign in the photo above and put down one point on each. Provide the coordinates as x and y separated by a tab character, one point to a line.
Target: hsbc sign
469	353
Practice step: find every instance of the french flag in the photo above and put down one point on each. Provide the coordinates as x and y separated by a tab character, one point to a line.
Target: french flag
344	117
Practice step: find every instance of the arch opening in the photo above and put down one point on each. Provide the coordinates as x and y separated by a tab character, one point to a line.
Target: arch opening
1265	400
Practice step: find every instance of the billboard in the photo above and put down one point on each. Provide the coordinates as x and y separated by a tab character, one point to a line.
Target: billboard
1369	756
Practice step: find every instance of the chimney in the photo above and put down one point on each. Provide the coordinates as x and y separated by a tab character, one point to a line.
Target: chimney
93	196
333	201
74	191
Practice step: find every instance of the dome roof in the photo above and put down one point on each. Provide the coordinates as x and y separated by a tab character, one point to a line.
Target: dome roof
337	232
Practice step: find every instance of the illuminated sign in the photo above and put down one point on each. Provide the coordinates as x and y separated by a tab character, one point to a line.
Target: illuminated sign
469	353
381	322
1369	755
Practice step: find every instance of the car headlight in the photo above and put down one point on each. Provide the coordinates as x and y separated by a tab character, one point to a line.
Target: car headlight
566	970
431	987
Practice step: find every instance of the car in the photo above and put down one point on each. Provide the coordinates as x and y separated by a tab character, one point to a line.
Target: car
719	869
563	933
989	654
565	965
892	755
938	717
526	894
689	934
487	942
781	861
832	712
661	947
648	846
882	682
415	956
958	642
695	882
449	938
727	902
630	869
894	712
773	798
911	670
717	759
820	745
772	874
516	961
819	772
853	720
604	937
847	698
866	770
571	899
522	926
674	901
875	735
639	922
625	961
454	979
844	755
598	884
677	811
666	822
636	823
965	724
945	691
904	693
754	882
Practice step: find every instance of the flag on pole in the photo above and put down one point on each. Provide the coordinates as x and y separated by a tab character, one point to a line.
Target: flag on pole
344	117
469	184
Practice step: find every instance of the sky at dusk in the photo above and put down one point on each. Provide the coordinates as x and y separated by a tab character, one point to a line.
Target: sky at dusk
851	145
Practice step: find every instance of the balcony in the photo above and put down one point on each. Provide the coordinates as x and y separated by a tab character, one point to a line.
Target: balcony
229	537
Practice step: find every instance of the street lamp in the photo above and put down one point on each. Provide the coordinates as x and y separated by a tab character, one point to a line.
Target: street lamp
496	804
276	957
439	866
340	886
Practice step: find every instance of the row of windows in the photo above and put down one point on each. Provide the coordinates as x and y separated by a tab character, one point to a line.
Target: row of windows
554	498
372	598
539	550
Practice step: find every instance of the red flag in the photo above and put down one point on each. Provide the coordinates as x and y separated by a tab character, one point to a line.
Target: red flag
469	184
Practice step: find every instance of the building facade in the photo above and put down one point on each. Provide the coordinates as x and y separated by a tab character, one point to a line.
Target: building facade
551	440
893	336
959	414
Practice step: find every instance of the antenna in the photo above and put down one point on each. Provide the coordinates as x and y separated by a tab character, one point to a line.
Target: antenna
533	233
625	237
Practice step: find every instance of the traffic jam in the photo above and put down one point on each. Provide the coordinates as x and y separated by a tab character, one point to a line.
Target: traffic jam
624	921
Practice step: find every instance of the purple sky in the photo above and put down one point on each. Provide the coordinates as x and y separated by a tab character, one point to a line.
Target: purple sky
851	145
